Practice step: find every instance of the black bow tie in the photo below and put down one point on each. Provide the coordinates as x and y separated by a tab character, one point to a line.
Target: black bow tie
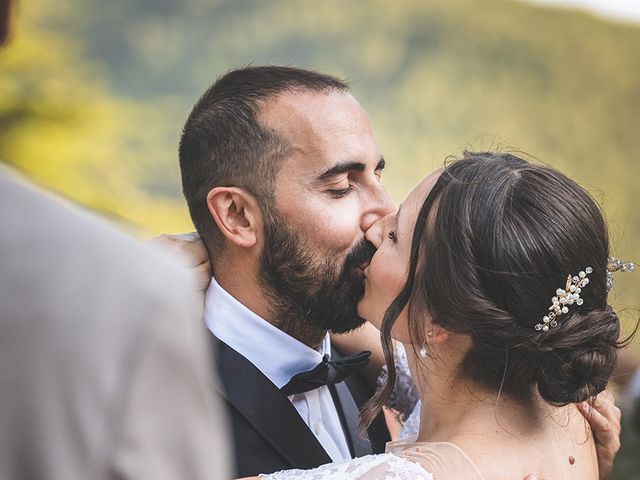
328	372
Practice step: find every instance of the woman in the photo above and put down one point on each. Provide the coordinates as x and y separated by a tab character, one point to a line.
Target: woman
493	274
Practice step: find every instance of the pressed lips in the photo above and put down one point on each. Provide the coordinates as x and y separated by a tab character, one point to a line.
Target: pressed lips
363	267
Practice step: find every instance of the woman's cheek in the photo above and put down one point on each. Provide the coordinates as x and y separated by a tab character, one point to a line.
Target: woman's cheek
371	307
394	283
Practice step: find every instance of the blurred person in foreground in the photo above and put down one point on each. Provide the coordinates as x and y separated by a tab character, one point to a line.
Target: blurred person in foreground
104	371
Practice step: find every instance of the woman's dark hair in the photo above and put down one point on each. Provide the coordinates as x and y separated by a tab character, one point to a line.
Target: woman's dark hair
503	235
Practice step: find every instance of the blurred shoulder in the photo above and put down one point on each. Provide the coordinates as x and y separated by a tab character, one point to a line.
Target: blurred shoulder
67	265
47	236
92	318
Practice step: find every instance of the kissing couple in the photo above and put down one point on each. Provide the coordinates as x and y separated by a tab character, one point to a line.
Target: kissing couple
492	275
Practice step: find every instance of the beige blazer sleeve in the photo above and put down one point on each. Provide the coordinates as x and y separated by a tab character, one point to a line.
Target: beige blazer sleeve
105	371
170	427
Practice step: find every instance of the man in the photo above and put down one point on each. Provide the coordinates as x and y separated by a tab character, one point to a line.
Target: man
104	368
281	173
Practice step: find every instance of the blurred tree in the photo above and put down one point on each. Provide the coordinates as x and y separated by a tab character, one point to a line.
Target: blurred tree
60	124
93	94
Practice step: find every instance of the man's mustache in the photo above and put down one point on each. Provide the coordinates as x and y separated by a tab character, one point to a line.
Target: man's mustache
360	255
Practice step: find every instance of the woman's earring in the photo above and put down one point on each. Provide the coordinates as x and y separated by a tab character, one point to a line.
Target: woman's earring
423	350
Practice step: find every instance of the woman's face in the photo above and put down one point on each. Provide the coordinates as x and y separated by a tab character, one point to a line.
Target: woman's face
387	273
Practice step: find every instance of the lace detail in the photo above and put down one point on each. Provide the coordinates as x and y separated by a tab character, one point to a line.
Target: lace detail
385	466
405	394
411	427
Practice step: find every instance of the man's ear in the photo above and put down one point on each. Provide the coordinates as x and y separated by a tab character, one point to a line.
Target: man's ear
237	215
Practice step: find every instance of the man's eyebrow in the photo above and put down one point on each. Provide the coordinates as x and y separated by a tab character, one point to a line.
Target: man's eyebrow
344	167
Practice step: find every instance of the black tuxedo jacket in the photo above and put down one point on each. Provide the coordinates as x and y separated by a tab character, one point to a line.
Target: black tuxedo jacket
269	434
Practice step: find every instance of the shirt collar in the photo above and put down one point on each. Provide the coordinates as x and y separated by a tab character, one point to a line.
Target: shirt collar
277	355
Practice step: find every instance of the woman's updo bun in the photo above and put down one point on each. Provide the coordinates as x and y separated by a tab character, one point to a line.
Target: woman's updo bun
495	239
578	357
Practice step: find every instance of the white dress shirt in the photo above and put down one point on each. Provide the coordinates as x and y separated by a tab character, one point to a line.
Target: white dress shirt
279	357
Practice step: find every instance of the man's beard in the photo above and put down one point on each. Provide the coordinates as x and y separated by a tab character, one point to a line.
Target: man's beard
310	295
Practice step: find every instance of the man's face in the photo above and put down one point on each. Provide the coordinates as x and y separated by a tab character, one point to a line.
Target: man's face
327	194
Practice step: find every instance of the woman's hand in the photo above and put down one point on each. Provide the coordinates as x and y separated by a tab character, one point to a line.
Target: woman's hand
604	418
190	248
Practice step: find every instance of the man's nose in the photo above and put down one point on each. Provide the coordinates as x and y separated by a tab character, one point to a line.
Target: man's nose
379	206
374	233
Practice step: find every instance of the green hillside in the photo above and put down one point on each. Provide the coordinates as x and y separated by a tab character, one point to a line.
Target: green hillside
93	94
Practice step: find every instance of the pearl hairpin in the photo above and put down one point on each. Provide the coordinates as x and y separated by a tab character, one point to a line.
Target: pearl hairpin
615	265
565	297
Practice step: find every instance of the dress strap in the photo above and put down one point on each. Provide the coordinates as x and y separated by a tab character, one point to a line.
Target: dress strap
445	460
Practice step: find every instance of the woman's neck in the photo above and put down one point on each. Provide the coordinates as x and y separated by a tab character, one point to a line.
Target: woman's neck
456	407
505	437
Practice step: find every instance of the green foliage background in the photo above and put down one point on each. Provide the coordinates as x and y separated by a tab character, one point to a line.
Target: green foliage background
93	93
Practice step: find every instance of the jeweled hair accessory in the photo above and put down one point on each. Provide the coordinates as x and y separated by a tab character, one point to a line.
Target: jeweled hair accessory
615	265
565	297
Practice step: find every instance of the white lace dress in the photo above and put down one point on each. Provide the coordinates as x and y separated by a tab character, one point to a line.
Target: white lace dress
371	467
404	397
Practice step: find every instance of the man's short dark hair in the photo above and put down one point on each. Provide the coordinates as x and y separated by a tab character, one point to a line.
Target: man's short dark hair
224	144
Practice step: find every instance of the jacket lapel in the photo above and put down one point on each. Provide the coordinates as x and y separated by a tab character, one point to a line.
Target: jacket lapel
266	409
353	393
349	414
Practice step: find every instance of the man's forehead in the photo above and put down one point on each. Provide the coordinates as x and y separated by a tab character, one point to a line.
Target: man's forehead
304	114
321	128
286	115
